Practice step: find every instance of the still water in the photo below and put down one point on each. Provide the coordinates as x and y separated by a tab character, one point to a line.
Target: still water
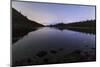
51	45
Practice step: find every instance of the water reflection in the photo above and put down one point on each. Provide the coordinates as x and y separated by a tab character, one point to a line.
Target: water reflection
51	45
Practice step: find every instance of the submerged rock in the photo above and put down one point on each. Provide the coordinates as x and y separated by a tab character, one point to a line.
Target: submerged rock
46	60
41	53
53	51
60	49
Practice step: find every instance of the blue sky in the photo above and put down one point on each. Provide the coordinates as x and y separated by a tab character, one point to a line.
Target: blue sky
46	14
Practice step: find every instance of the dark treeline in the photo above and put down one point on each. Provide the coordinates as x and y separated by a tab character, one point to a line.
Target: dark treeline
21	25
88	23
88	26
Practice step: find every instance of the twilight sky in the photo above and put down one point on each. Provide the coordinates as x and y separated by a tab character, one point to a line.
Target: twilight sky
46	14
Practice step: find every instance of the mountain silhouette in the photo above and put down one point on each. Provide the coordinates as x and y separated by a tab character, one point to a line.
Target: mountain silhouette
18	18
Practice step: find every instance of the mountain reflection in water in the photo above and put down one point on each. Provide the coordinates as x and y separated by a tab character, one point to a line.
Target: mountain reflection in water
50	45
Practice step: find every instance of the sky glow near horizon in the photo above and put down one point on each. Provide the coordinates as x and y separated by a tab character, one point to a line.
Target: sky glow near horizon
49	13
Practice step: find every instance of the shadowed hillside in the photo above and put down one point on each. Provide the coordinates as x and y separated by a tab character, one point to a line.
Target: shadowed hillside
21	25
18	18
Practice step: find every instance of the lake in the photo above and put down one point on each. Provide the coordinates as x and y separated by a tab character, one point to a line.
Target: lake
50	45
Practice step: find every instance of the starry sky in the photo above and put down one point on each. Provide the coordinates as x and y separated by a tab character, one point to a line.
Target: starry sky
50	13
